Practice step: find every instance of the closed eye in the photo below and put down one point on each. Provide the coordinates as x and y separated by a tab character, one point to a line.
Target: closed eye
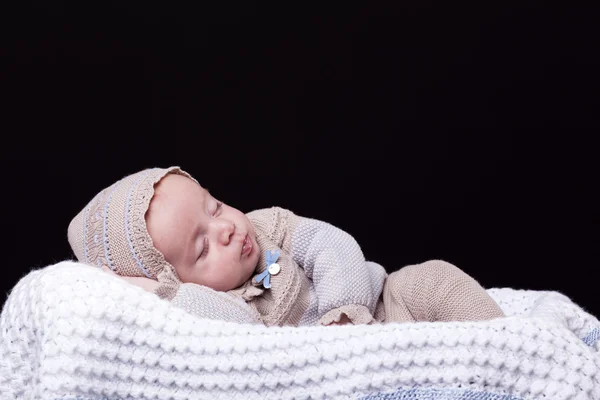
219	206
204	248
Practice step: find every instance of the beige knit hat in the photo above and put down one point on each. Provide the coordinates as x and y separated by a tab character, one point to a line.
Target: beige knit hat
111	230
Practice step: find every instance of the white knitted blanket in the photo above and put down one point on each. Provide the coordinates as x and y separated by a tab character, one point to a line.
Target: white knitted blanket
69	331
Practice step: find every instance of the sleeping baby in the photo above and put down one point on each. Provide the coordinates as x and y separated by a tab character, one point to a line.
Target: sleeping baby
161	230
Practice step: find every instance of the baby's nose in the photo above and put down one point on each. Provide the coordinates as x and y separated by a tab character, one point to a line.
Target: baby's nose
224	230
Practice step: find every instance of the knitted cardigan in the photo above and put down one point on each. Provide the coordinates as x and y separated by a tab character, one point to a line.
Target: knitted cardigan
71	331
322	274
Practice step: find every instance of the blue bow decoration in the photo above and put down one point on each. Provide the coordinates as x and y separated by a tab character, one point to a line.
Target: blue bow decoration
265	276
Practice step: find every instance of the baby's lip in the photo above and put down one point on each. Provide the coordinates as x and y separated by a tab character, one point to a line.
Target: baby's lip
246	246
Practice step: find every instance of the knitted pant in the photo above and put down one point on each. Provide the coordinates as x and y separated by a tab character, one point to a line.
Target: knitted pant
435	291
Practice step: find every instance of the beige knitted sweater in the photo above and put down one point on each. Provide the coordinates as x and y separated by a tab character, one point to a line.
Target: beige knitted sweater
323	274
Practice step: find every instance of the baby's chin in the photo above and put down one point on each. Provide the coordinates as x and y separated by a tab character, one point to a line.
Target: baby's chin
248	275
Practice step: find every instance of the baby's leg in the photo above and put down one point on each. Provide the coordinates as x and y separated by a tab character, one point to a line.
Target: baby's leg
436	291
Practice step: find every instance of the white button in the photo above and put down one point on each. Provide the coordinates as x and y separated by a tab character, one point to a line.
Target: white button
274	269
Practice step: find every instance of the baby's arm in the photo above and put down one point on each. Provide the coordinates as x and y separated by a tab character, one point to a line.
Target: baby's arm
208	303
202	301
346	285
145	283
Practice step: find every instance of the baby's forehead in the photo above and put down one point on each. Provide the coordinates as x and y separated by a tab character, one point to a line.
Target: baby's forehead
178	185
175	191
173	212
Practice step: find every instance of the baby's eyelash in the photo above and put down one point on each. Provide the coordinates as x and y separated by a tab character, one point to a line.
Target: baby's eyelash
205	247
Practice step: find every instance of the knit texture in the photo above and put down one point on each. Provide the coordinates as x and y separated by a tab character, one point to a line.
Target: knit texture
201	300
343	280
324	275
322	270
111	229
436	291
69	331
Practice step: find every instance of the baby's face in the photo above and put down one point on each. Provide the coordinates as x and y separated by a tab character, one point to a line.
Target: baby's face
208	242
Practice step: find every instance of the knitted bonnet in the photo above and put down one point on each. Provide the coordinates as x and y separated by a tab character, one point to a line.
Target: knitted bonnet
111	230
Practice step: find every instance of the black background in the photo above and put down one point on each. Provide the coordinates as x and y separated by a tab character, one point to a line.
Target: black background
426	131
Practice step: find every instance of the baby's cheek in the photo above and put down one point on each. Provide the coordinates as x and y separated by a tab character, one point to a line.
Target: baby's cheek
230	275
186	274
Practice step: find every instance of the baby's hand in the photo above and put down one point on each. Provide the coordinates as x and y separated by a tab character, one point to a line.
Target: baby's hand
145	283
344	320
